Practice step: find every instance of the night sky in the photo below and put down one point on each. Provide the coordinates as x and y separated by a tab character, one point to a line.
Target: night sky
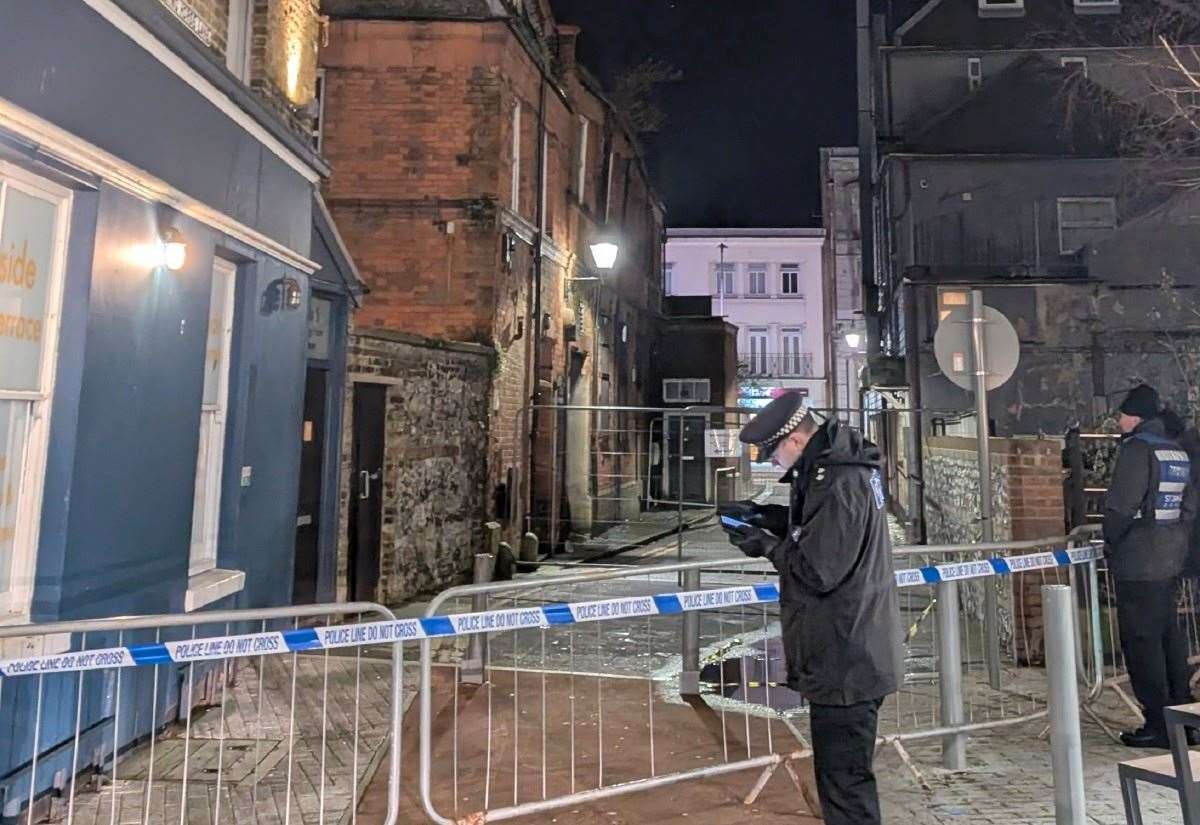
765	84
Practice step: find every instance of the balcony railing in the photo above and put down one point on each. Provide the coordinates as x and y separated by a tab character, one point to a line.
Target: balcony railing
775	365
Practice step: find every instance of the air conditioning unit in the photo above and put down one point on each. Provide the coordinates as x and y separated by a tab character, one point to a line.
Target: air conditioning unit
1001	8
1097	6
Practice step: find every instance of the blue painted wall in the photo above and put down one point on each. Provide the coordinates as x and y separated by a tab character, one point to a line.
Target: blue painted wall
117	507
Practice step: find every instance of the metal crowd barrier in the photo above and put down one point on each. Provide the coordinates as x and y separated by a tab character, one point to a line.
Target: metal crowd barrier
538	733
289	714
236	715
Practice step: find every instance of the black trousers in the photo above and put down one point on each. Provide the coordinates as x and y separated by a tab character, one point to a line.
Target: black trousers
1154	645
843	740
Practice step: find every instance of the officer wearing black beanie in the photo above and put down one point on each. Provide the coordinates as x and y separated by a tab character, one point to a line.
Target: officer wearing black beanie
1147	520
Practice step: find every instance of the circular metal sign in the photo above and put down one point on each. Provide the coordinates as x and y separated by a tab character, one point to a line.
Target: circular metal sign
952	346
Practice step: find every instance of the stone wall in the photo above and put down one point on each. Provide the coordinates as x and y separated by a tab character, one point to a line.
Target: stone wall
1027	503
435	458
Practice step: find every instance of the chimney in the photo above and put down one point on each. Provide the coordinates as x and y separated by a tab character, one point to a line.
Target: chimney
565	38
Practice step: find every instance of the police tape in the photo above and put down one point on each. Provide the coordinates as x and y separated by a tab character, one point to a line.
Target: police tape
331	637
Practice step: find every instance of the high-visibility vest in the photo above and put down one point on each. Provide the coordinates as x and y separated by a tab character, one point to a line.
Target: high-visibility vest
1165	496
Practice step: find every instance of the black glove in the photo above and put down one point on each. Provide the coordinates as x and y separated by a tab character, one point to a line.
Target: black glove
773	517
755	542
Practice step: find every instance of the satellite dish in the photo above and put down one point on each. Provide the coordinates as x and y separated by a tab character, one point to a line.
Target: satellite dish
952	346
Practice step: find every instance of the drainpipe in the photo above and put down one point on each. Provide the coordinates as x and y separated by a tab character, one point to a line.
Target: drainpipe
535	326
866	174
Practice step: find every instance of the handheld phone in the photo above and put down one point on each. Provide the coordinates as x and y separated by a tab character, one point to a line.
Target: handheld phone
733	524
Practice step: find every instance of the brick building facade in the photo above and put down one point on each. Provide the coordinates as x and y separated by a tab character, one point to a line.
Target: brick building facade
473	163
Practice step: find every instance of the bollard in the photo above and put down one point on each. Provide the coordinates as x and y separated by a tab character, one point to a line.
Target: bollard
528	556
689	676
1066	747
954	745
475	663
491	531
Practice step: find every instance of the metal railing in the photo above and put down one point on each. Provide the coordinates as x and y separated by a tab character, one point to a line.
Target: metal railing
574	713
777	365
175	718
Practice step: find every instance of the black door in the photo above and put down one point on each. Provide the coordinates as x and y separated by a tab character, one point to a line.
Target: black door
693	464
366	490
308	508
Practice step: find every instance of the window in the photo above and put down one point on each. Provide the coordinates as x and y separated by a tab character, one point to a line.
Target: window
757	275
1097	6
515	197
1075	64
795	361
686	390
668	280
789	276
1083	221
319	104
206	508
239	38
581	171
974	74
33	227
1001	8
949	300
757	339
725	284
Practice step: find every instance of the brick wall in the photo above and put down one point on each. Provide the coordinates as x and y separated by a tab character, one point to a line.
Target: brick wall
435	460
418	129
1027	500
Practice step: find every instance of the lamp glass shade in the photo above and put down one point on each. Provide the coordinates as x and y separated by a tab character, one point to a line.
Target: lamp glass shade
853	339
174	251
604	254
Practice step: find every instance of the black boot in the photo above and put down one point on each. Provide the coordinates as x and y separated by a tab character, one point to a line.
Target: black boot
1145	737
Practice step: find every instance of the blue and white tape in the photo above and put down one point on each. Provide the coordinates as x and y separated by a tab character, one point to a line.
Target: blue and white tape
494	621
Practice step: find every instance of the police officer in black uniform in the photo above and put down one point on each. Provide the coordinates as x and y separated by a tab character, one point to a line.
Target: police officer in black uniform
1147	521
839	608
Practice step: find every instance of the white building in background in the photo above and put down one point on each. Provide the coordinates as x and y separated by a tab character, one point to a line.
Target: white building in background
767	282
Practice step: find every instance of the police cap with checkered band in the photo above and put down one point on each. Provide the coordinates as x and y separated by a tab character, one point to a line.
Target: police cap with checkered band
775	422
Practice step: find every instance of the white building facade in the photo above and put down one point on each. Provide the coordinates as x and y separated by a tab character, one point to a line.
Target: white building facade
768	283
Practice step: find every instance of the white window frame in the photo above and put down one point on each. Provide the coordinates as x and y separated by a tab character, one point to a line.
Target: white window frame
240	38
581	171
672	390
1067	61
206	511
515	194
726	279
756	270
792	349
1097	6
1064	224
1001	8
784	271
15	605
974	73
758	344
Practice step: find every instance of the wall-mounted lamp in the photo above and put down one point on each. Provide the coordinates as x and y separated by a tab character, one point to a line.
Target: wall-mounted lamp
173	250
853	339
604	248
292	296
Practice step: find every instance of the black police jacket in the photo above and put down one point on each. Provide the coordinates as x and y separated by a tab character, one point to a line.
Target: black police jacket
1150	507
839	607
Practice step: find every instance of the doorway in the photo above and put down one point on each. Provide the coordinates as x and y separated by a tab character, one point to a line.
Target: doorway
693	463
308	506
366	491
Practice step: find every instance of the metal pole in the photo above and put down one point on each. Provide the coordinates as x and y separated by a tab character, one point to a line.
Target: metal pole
991	621
954	745
1066	748
679	489
689	676
721	278
475	663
